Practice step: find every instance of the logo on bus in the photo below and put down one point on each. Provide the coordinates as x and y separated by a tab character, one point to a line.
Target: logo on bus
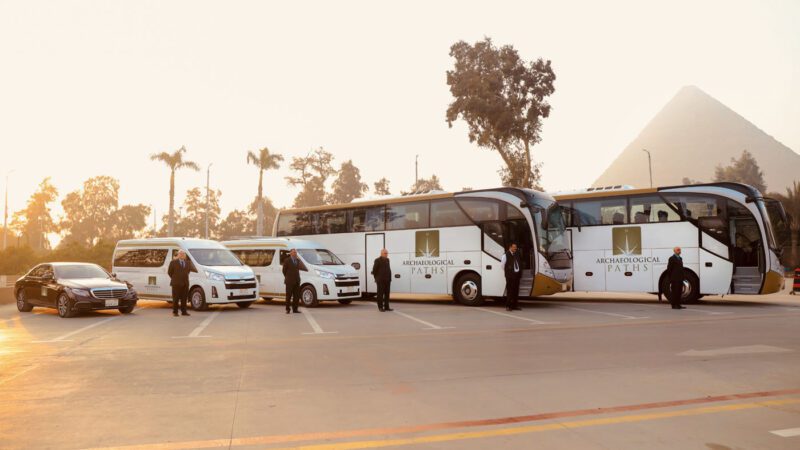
626	241
427	244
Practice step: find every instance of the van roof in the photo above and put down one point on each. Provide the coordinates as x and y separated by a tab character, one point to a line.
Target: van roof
272	242
170	242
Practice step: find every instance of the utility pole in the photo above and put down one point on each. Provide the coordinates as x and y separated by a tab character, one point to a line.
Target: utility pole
208	178
649	165
5	214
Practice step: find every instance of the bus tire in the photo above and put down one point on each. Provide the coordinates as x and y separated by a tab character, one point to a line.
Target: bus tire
198	299
308	296
691	289
467	290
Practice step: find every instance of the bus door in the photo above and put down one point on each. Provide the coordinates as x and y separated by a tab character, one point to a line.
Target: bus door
748	255
374	244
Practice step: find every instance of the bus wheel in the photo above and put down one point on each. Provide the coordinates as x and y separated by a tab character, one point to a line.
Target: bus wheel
308	296
691	288
198	299
468	290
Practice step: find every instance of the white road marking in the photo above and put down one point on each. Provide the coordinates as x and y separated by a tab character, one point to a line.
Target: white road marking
21	372
79	330
199	329
428	324
789	432
532	321
313	322
713	313
603	312
741	350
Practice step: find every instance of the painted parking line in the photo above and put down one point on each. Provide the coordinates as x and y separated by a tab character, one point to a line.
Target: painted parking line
63	338
313	322
624	316
531	321
789	432
705	311
199	329
427	324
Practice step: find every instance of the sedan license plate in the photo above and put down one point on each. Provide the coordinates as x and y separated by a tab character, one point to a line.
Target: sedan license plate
112	303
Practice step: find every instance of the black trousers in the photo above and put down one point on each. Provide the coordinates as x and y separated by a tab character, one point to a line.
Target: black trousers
512	291
179	294
675	293
384	289
292	296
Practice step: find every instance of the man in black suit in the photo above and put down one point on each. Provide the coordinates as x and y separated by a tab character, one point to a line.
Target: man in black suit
179	269
291	278
382	271
512	265
675	278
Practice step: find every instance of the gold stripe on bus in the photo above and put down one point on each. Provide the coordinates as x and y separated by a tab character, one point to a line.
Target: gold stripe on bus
407	199
773	283
602	194
544	285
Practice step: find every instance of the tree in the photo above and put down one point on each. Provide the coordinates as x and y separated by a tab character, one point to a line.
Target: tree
237	224
264	160
270	212
175	162
129	221
382	187
89	212
35	221
193	217
503	101
313	171
422	185
348	185
743	170
791	204
689	181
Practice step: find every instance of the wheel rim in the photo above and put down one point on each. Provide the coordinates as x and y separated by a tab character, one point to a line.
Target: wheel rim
308	297
20	299
197	299
687	289
62	305
469	290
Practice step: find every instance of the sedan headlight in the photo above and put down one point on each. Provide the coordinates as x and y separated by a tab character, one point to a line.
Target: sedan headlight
323	274
78	292
214	276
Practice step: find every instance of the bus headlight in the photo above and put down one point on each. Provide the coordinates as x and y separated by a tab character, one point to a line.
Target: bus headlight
323	274
214	276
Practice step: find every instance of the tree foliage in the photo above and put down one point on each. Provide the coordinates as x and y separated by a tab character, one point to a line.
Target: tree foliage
264	160
312	171
424	185
503	101
382	187
175	162
745	170
348	185
35	222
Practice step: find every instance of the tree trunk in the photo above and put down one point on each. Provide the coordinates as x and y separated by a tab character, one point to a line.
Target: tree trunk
528	183
260	206
171	220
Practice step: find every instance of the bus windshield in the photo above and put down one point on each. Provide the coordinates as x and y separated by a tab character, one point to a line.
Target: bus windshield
550	226
774	221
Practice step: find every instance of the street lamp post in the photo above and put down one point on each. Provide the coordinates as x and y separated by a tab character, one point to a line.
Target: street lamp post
649	165
208	178
5	214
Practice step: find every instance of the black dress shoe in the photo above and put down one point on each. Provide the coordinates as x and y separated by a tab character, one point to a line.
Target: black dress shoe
295	310
388	309
175	313
185	314
516	308
381	309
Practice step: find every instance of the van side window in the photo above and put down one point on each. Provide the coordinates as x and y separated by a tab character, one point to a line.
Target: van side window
140	257
255	258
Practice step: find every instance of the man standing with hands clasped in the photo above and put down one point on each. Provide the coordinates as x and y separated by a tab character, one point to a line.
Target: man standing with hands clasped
291	278
512	264
178	271
382	271
675	278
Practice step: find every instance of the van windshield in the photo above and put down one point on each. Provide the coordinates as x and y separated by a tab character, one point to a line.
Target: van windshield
320	257
214	257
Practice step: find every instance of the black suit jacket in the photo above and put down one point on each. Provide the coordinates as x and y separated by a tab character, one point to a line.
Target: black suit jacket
382	270
179	276
675	269
291	271
509	267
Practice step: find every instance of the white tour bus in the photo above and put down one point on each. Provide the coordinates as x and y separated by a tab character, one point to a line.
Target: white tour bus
217	275
323	276
621	239
441	243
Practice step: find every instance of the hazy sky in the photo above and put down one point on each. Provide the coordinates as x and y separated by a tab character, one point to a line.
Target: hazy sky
91	88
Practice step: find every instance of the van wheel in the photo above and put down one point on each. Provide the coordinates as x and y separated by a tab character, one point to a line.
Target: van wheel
64	305
691	288
468	290
198	299
308	296
345	301
22	304
244	305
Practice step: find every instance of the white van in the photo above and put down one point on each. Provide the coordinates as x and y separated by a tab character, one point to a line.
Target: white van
323	276
217	275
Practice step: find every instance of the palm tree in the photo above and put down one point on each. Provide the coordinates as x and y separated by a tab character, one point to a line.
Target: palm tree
264	160
174	161
791	203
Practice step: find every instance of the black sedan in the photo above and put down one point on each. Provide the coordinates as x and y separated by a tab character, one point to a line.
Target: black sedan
73	287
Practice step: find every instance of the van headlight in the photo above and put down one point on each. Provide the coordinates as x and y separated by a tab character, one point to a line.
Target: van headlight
214	276
323	274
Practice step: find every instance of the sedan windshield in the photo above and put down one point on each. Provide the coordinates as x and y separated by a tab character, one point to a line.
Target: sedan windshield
80	271
320	257
214	257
